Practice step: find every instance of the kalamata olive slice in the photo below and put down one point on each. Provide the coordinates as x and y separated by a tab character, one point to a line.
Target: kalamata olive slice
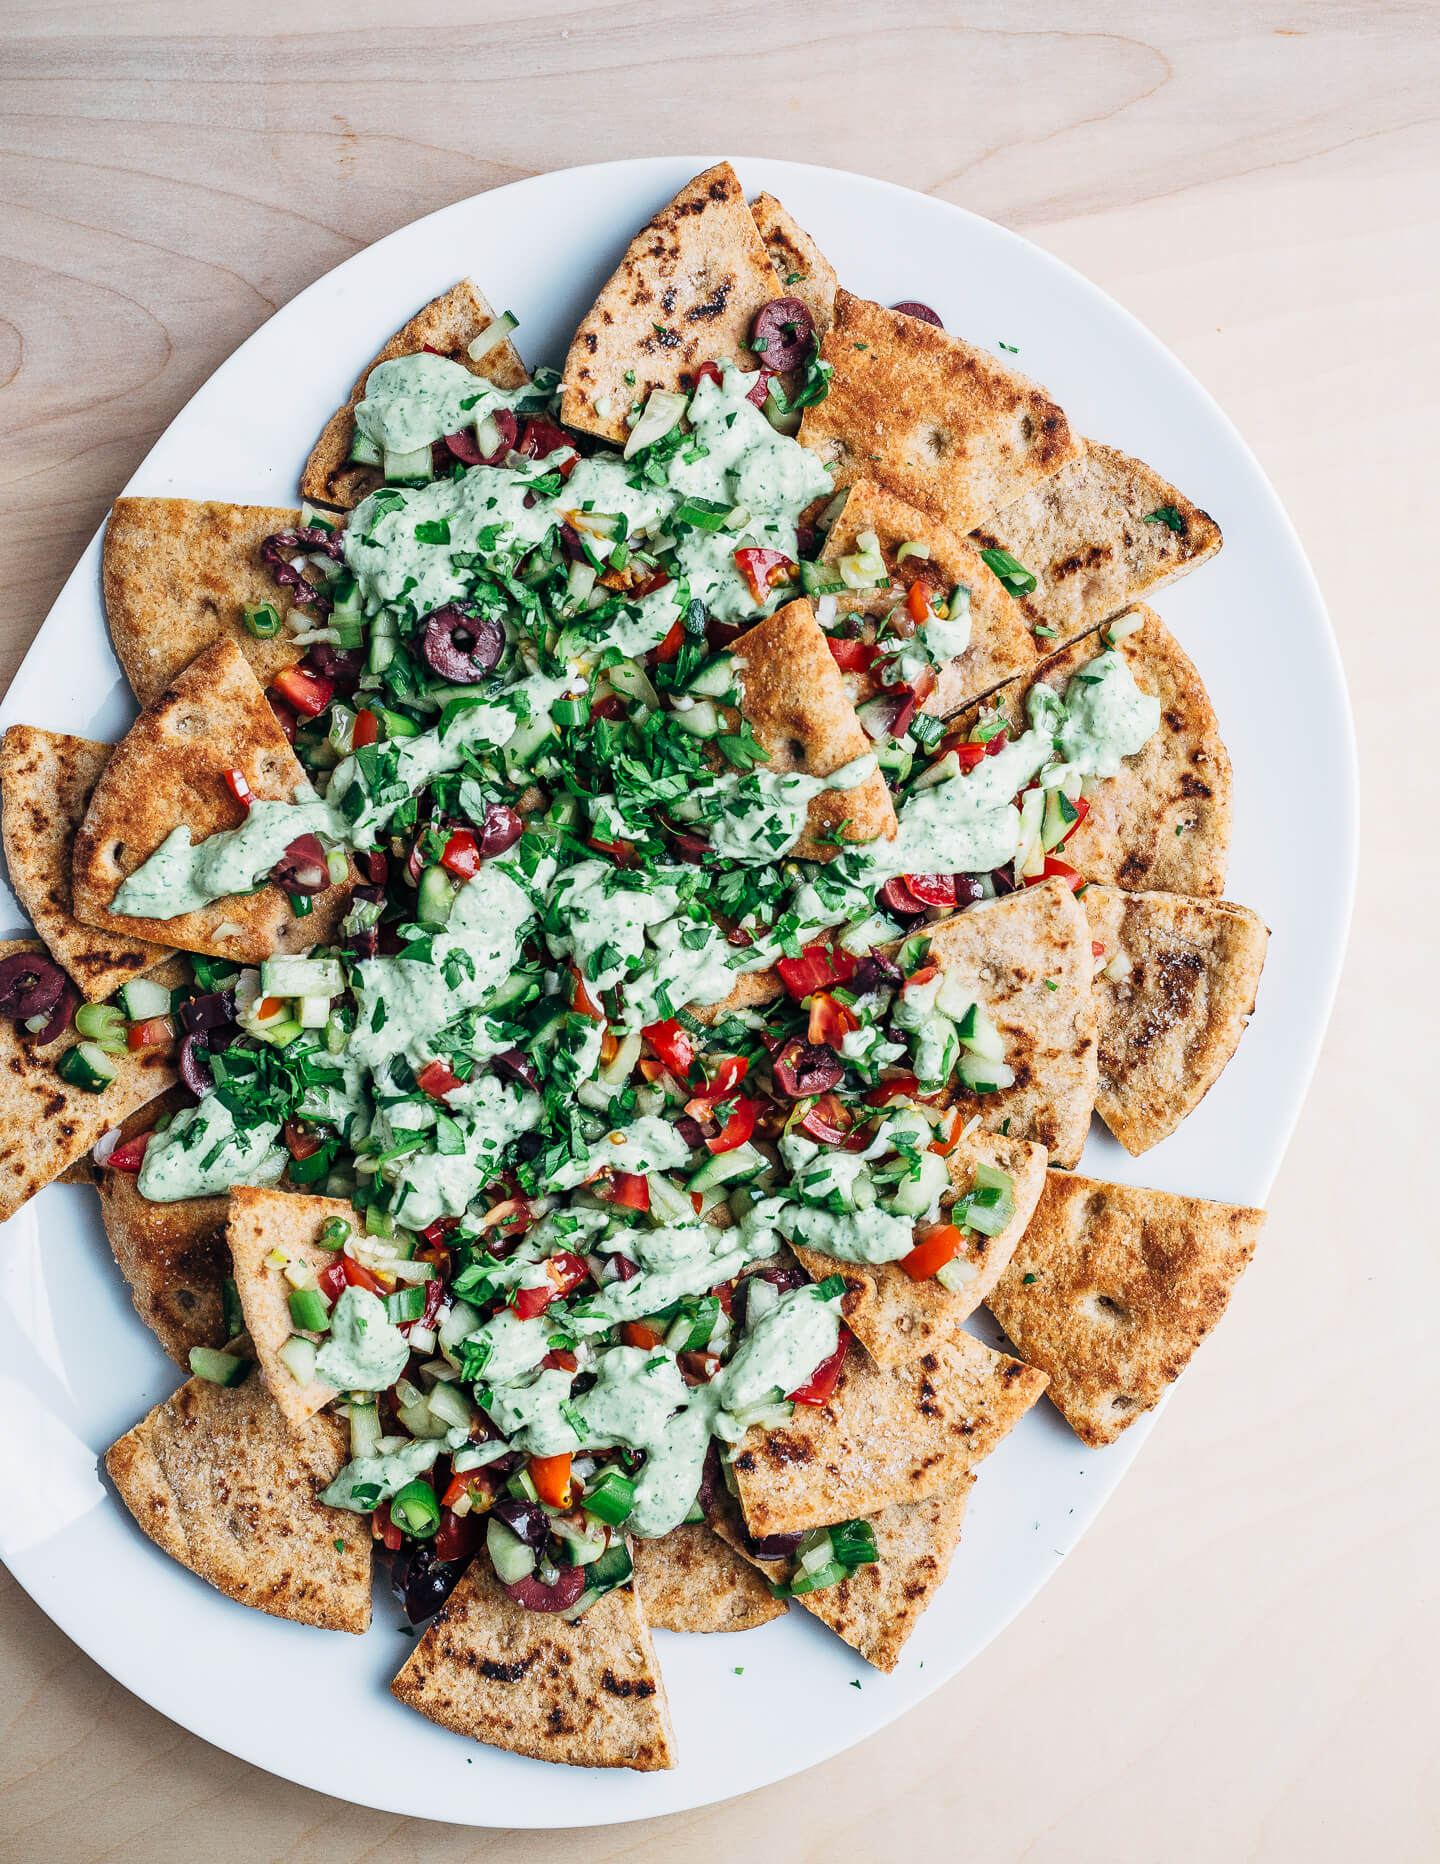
463	446
807	541
802	1068
286	717
30	984
195	1070
541	438
276	551
61	1016
1004	880
896	897
784	1273
690	1130
772	1546
722	634
712	1480
571	547
302	868
374	866
874	972
888	714
535	1597
968	889
211	1011
502	829
515	1065
527	1521
421	1582
459	647
783	333
912	307
342	665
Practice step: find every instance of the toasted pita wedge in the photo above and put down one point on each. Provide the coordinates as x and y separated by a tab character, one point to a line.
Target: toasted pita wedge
797	706
587	1694
689	1580
685	293
173	1256
219	1480
938	422
170	769
1169	1026
45	780
284	1224
896	1318
46	1125
176	573
884	1436
877	1608
448	325
802	269
1104	531
1000	644
1112	1289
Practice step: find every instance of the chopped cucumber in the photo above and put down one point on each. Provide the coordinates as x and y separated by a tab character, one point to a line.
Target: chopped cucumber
364	1431
87	1066
451	1405
955	1274
140	999
363	450
512	1559
912	1197
302	977
743	1161
982	1075
416	465
217	1368
819	578
979	1034
701	720
435	898
714	679
1061	815
990	1203
297	1356
494	334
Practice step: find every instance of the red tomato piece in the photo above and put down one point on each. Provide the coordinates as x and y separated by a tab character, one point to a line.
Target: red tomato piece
830	1022
636	1333
764	570
564	1271
542	438
551	1476
462	855
358	1276
458	1536
629	1189
367	728
917	603
933	1249
239	787
131	1155
933	889
581	1001
671	1043
1057	870
154	1032
302	1144
309	693
821	1382
437	1079
738	1128
673	642
723	1073
817	968
902	1085
851	656
384	1529
828	1120
331	1281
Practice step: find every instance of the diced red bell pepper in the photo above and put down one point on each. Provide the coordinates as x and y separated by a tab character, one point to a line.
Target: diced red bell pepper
331	1281
367	729
830	1021
671	1043
622	853
154	1032
852	656
738	1128
917	603
437	1079
1082	809
563	1271
238	785
581	1001
819	967
723	1073
636	1333
301	1143
933	1249
559	1360
932	889
131	1155
551	1476
822	1380
461	855
358	1276
629	1189
512	1216
1057	870
764	570
308	692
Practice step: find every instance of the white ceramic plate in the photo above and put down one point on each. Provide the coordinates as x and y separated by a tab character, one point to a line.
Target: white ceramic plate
77	1368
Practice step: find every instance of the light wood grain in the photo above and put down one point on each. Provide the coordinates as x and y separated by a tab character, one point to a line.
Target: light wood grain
1240	1661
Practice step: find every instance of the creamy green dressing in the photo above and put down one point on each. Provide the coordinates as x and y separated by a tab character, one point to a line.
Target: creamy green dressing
778	1355
202	1153
411	401
1107	717
353	1487
363	1351
758	817
181	878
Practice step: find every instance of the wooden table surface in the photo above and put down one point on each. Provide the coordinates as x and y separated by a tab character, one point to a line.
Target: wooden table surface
1240	1660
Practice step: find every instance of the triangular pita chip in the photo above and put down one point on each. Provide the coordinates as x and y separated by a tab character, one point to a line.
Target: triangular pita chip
288	1225
802	269
587	1694
447	325
176	573
795	700
1170	1024
46	1125
685	293
220	1482
883	1436
880	1604
1000	643
943	425
896	1318
45	780
689	1580
1104	531
170	769
1113	1287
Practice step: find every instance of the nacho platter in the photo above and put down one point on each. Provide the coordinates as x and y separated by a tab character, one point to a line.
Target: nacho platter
1243	1181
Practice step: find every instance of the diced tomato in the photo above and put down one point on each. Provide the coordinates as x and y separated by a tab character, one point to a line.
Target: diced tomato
817	968
700	1367
612	706
657	579
947	1133
1057	870
331	1281
670	647
458	1536
609	1048
384	1529
723	1073
301	1143
762	387
997	744
239	787
724	1293
358	1276
671	1043
437	1079
636	1333
270	1006
923	976
154	1032
1097	950
581	1001
622	853
436	1233
131	1155
709	372
764	570
851	656
738	1128
969	755
470	1486
830	1021
542	438
933	1249
462	855
828	1120
1082	809
367	728
551	1476
559	1360
563	1271
933	889
917	603
905	1086
821	1382
629	1189
511	1217
308	692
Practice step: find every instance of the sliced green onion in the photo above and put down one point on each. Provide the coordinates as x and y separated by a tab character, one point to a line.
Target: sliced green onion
611	1498
910	549
404	1304
1011	571
492	336
102	1023
308	1310
706	514
262	620
301	905
415	1510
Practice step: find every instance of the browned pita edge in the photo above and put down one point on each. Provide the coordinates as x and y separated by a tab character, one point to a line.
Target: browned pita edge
797	706
685	293
219	1481
45	784
1163	824
170	769
1169	1026
287	1225
802	269
689	1580
587	1694
879	1605
941	424
1027	957
176	574
448	325
1092	539
1112	1289
885	1435
896	1318
1000	644
45	1124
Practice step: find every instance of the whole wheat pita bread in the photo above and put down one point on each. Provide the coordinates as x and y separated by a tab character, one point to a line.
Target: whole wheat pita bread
176	573
170	769
1169	1026
1112	1289
587	1694
885	1435
1093	539
1000	644
802	269
1163	824
45	784
943	425
220	1482
447	325
289	1225
689	1580
46	1125
685	293
879	1605
896	1318
797	706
